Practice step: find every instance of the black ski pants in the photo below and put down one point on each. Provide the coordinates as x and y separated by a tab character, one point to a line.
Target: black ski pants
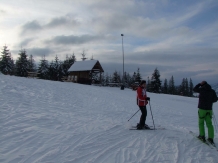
143	116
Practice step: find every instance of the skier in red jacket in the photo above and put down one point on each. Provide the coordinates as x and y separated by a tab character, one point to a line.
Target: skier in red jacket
142	101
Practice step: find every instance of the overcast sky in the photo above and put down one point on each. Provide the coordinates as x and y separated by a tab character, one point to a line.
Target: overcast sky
178	37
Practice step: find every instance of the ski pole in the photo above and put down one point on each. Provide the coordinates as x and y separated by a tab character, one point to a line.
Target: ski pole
152	115
133	115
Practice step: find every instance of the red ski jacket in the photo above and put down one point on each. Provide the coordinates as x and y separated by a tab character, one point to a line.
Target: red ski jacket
141	96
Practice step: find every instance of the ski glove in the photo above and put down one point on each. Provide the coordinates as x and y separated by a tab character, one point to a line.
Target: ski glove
148	98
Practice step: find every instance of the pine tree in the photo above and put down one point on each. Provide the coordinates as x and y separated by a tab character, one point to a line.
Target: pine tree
125	78
186	87
107	79
148	85
138	76
51	71
43	69
57	69
134	77
128	79
31	64
119	78
190	88
102	79
83	56
72	59
115	78
22	64
68	62
110	79
155	81
165	87
60	71
12	65
6	62
172	89
182	87
65	66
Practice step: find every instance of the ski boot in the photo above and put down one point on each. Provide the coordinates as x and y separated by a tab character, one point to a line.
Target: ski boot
139	127
202	138
210	140
146	126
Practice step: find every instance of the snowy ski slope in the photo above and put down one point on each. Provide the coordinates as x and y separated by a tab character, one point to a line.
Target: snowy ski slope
55	122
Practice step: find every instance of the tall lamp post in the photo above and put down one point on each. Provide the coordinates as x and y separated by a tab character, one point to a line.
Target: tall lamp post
122	86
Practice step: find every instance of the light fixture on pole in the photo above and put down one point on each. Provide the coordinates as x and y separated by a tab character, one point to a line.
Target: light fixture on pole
122	86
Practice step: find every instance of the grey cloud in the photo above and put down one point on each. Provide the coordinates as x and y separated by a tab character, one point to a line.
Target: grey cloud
113	22
62	21
184	74
176	56
128	20
74	39
31	26
26	42
2	11
55	22
39	51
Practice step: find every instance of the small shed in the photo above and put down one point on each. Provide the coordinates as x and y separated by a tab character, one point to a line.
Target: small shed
83	71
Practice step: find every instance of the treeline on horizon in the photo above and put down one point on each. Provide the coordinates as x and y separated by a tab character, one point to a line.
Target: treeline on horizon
56	70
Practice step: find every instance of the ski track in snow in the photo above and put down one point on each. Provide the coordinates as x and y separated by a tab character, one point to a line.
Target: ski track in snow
55	122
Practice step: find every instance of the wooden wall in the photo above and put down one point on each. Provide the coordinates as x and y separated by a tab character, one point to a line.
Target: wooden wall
82	77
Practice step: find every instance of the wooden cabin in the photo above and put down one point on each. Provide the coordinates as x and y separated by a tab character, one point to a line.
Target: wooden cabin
83	71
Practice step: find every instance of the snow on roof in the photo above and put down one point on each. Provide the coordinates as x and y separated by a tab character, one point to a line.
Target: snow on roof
83	65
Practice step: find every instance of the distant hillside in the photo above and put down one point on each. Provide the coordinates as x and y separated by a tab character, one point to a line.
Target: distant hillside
215	87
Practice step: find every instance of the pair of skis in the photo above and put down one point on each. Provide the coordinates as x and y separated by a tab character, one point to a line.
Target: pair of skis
211	145
150	128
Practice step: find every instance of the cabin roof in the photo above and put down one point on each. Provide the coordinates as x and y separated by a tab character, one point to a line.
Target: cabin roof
85	65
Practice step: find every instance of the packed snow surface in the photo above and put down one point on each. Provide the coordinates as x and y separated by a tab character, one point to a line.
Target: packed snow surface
54	122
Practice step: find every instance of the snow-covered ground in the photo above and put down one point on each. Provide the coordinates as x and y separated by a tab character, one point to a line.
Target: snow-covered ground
56	122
